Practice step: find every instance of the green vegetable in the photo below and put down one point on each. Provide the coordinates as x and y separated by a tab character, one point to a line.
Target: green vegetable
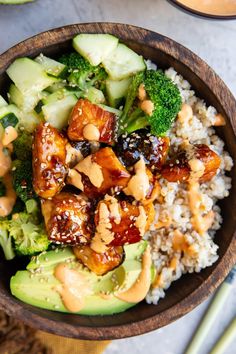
94	95
95	47
29	237
9	120
5	240
40	289
164	95
82	73
57	111
29	76
25	102
31	206
51	66
22	179
2	188
23	146
30	120
123	62
117	91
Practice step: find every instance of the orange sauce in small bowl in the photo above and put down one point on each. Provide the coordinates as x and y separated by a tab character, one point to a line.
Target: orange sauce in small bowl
211	7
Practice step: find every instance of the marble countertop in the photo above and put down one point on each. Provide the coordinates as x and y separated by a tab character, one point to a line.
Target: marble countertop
214	41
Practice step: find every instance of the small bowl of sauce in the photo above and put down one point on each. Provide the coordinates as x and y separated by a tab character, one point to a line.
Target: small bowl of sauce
216	9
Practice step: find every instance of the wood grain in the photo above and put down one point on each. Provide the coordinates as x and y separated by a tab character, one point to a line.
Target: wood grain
191	289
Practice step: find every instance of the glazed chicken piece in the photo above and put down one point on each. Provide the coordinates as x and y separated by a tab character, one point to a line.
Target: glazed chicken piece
178	169
67	219
99	263
49	161
141	143
98	173
126	222
88	121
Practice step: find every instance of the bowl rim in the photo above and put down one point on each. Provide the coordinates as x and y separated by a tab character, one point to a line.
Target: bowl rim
228	103
196	13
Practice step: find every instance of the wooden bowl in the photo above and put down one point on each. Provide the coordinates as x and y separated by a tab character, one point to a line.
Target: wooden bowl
191	289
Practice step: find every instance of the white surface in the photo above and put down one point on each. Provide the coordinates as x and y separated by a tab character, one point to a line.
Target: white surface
213	41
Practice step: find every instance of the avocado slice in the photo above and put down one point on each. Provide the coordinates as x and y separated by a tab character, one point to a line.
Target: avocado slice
36	285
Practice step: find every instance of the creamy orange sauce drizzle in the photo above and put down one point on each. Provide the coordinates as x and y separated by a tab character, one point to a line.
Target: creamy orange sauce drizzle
103	235
200	223
141	220
74	287
10	135
91	132
219	120
114	208
147	106
164	222
213	7
179	243
92	170
185	114
75	178
138	186
7	202
159	279
155	194
139	289
5	161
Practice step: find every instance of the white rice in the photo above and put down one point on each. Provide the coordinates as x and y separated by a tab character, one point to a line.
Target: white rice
197	130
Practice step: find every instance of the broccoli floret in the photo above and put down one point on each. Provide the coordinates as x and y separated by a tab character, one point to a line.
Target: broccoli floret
23	146
2	188
22	180
163	94
6	240
29	237
82	73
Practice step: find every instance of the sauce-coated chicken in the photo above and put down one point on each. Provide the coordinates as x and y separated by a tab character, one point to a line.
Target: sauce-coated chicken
67	219
178	169
99	263
100	172
141	143
49	161
88	121
128	222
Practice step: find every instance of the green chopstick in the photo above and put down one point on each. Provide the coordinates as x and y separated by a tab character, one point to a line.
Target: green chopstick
225	339
211	314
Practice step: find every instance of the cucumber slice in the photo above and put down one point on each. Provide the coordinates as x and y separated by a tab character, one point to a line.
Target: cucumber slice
56	86
26	102
123	62
95	47
57	113
29	76
3	102
95	96
10	120
9	115
117	91
51	66
29	120
117	112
